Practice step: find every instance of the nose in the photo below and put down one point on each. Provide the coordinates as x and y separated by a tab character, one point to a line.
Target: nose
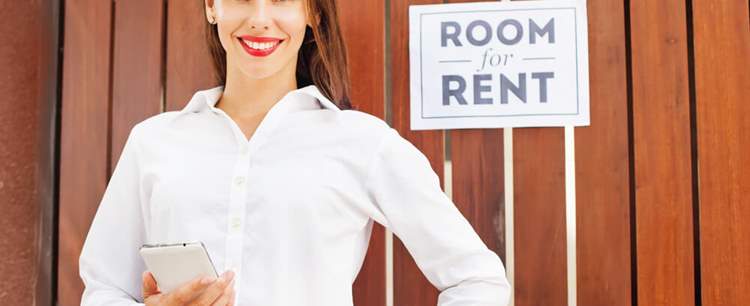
260	16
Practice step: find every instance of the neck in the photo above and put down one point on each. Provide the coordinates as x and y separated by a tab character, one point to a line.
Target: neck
249	97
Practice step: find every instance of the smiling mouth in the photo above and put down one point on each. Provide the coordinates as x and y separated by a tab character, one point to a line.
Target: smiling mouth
259	46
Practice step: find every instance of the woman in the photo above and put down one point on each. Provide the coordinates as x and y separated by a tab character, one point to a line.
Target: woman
279	178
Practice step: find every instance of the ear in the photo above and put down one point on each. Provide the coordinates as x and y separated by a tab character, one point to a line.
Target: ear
211	9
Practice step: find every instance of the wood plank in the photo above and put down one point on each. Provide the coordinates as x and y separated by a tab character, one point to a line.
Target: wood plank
722	87
137	68
189	66
539	216
602	172
85	128
411	288
478	181
363	27
661	132
27	144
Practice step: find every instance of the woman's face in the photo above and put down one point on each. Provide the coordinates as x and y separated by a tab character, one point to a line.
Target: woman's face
261	37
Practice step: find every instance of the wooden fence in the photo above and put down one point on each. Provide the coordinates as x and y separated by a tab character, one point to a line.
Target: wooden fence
662	182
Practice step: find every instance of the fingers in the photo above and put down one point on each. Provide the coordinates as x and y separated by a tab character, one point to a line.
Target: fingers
215	290
189	291
227	297
149	287
231	298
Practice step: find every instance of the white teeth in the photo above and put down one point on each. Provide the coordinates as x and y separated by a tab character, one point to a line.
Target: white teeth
260	46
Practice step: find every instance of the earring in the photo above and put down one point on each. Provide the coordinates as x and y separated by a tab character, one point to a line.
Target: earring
212	20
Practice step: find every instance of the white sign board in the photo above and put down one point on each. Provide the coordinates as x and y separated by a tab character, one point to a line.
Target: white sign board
499	64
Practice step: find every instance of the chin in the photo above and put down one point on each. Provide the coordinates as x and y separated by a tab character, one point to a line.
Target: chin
256	71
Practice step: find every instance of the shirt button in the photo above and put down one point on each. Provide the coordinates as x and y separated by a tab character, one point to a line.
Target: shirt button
235	223
239	180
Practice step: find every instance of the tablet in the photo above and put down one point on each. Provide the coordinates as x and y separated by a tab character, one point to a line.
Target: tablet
178	263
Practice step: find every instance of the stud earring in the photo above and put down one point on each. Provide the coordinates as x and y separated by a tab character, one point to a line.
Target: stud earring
212	20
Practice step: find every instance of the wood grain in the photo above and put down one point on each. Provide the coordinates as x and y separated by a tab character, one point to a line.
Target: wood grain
539	209
661	127
85	132
137	68
722	88
27	147
478	183
602	166
189	67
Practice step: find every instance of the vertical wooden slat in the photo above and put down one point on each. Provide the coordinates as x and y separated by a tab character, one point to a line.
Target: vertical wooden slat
722	88
602	178
189	66
539	208
28	61
477	168
478	181
136	68
539	216
363	27
661	134
411	288
85	128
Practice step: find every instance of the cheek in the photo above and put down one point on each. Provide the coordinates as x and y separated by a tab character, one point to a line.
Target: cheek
292	25
225	38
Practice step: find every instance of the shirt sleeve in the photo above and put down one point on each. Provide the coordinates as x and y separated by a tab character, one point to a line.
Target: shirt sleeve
442	242
110	265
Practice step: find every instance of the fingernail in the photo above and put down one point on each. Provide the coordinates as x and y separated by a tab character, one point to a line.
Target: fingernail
228	275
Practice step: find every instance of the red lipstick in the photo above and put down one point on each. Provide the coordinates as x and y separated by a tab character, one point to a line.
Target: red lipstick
259	46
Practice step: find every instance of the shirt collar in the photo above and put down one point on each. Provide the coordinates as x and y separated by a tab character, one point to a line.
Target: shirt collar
308	97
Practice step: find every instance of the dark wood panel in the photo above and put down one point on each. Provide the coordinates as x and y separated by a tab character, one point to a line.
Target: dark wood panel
478	181
539	216
661	132
722	88
602	173
85	129
29	71
363	27
411	288
189	66
137	68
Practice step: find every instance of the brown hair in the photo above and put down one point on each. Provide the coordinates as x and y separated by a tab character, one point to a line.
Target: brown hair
321	60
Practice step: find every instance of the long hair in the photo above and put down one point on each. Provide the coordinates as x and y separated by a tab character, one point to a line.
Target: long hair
321	60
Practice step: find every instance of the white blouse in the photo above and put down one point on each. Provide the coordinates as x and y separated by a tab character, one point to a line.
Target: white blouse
290	210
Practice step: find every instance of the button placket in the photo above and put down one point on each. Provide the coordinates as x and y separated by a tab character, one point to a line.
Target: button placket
239	180
238	190
236	217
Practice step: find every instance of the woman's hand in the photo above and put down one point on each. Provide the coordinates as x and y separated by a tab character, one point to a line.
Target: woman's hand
204	291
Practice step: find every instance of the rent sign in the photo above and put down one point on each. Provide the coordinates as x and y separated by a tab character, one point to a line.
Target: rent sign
499	64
